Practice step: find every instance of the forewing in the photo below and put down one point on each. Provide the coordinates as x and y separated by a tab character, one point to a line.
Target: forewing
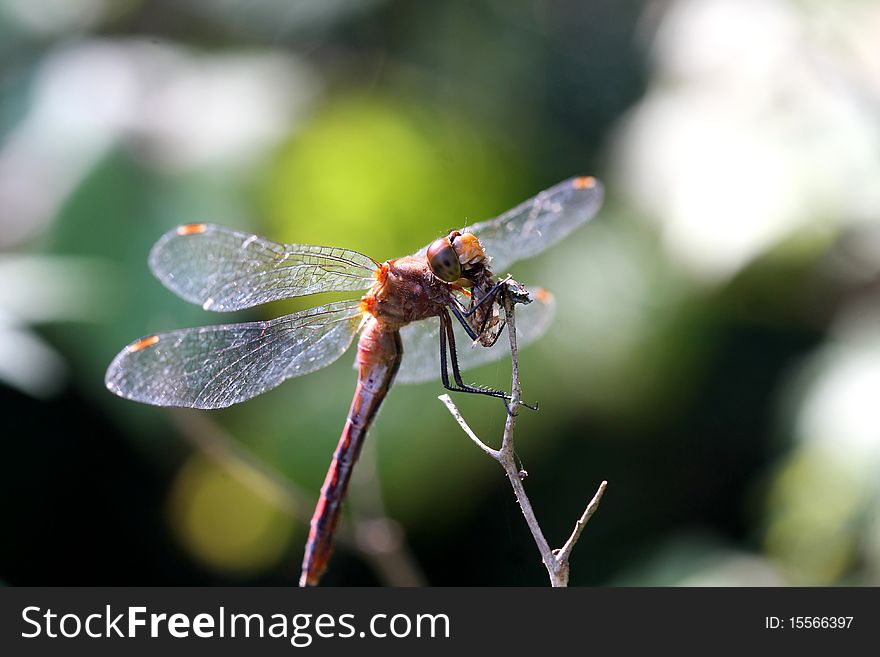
217	366
223	269
421	341
538	223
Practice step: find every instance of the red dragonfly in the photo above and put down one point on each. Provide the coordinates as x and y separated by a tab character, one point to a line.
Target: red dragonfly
226	270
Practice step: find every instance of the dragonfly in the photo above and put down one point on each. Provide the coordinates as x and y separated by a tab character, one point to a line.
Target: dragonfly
404	321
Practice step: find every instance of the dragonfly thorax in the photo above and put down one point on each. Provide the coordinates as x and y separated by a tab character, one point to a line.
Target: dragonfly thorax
406	290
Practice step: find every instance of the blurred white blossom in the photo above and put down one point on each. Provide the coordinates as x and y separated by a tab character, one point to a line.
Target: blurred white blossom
838	408
761	122
40	289
176	108
828	483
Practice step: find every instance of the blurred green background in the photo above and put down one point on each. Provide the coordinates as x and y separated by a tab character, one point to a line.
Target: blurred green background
715	354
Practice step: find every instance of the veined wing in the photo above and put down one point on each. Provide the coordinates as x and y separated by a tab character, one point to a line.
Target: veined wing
217	366
223	269
421	341
538	223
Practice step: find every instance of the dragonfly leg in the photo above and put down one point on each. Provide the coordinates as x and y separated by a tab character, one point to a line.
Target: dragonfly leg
490	295
447	335
462	313
460	316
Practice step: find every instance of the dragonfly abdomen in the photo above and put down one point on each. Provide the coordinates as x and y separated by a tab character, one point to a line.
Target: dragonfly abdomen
379	356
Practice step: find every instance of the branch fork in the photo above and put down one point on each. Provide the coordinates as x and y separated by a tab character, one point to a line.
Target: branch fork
555	561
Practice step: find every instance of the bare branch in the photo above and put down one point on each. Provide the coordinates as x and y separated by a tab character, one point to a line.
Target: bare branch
453	409
565	551
555	561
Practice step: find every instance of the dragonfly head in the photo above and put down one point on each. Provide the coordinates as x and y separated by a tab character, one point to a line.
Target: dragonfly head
449	255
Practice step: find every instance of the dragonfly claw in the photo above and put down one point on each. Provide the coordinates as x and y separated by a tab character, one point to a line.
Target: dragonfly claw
506	399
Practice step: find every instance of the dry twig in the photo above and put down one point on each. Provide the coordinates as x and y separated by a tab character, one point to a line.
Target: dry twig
556	561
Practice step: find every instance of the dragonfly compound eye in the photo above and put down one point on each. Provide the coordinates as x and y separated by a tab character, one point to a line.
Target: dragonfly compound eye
443	260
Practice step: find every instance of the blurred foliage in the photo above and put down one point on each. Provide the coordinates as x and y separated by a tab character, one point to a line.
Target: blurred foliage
335	177
714	354
225	521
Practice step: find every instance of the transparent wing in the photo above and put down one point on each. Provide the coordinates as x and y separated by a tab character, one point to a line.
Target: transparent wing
538	223
223	269
217	366
421	341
